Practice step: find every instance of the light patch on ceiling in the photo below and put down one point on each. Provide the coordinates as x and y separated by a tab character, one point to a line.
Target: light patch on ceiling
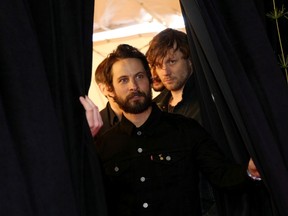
125	18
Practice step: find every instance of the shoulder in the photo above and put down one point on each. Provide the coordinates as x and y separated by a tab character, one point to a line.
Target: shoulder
105	111
162	97
110	132
112	141
178	118
189	125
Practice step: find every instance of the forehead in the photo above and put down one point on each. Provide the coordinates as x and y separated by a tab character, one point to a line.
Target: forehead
173	54
127	67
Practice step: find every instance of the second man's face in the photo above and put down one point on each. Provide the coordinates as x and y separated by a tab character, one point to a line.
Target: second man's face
174	71
132	90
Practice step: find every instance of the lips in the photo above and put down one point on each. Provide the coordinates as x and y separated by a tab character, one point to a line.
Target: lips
135	95
134	98
168	80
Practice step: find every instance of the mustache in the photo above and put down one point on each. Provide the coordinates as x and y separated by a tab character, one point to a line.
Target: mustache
136	93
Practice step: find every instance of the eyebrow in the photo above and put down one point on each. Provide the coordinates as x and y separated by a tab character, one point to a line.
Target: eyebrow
140	72
136	74
121	77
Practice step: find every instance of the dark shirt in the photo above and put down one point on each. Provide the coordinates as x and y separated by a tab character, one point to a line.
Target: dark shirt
153	169
109	119
188	106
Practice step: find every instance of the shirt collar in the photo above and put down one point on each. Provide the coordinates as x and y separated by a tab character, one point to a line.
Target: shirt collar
113	119
188	94
148	127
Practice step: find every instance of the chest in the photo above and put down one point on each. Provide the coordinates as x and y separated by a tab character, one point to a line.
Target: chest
163	158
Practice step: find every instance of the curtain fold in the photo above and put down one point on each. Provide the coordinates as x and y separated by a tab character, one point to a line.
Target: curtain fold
48	165
244	93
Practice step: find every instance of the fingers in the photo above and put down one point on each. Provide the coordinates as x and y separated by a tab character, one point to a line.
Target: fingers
87	103
90	102
252	169
97	121
92	115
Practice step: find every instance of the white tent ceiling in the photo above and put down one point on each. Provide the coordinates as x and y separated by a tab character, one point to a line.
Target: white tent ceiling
113	14
139	20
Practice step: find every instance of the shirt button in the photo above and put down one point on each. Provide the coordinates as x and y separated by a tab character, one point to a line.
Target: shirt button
139	133
145	205
116	169
142	179
213	98
140	150
168	158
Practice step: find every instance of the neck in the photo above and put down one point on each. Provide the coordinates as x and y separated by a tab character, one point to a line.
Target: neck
140	118
176	97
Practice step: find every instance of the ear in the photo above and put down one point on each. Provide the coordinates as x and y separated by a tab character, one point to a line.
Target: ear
105	90
102	88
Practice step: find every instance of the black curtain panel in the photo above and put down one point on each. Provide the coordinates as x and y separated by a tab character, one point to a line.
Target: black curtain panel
244	95
48	165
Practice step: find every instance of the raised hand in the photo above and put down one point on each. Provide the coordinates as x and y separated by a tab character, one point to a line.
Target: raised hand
92	114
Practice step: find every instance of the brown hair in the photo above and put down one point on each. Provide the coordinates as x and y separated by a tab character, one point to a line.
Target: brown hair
99	72
163	42
123	51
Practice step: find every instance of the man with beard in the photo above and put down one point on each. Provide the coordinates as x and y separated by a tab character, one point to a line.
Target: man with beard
169	57
151	158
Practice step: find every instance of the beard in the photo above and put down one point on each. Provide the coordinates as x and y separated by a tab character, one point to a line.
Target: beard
135	106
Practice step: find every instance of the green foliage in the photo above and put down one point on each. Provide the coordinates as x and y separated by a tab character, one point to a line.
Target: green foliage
278	13
275	15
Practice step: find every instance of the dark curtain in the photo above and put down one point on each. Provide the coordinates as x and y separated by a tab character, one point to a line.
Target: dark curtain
244	92
48	166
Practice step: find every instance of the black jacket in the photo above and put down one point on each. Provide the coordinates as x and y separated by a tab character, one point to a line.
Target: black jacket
153	169
189	106
109	119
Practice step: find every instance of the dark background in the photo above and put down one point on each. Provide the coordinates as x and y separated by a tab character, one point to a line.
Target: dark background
235	51
47	165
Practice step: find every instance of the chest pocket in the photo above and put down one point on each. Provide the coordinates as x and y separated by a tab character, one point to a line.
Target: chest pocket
172	167
169	158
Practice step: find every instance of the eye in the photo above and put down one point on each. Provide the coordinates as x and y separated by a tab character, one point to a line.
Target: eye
140	76
123	80
172	61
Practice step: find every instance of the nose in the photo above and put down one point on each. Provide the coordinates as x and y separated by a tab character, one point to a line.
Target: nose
164	70
133	85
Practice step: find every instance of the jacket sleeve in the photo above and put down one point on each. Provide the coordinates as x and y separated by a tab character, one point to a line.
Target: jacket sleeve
221	172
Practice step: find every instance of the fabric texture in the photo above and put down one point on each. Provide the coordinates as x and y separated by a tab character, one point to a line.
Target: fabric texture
189	106
154	169
47	163
244	95
109	119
